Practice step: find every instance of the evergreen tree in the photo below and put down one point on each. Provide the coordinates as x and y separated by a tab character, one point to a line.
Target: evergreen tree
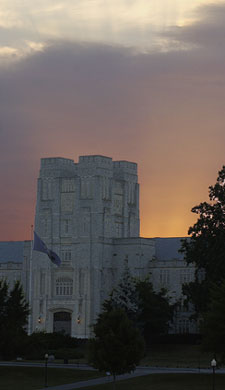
14	312
3	310
206	246
124	295
117	347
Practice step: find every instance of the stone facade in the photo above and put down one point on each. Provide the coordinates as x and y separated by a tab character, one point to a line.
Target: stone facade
88	213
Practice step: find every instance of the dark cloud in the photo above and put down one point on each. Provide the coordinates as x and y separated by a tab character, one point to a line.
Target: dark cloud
163	110
206	33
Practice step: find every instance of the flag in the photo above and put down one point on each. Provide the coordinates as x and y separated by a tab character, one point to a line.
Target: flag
40	246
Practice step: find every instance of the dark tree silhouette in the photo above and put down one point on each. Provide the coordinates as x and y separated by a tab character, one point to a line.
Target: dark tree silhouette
214	321
14	312
117	347
206	247
149	310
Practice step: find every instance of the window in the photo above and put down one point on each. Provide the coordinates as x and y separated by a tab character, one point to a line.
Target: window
86	188
64	286
118	229
42	283
45	226
47	189
66	226
66	256
164	277
184	326
186	275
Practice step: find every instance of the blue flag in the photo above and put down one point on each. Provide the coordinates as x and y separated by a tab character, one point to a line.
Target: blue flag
40	246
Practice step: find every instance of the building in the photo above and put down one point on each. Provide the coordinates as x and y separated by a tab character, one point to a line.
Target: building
14	262
88	213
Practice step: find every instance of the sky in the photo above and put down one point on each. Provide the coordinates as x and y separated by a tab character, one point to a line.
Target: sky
134	80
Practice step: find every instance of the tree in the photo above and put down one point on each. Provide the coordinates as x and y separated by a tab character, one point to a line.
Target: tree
150	311
155	312
124	295
117	346
206	246
14	312
214	321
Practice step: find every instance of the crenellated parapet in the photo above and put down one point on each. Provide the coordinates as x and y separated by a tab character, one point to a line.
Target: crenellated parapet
57	167
96	161
125	166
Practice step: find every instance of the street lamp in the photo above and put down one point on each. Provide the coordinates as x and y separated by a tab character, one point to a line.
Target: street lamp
46	368
213	365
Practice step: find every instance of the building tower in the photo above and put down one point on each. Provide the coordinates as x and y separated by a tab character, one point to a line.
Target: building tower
83	212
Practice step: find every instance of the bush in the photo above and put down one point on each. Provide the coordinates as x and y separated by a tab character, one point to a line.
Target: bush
185	338
67	353
40	343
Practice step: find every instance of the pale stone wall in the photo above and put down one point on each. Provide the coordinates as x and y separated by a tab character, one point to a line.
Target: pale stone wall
11	272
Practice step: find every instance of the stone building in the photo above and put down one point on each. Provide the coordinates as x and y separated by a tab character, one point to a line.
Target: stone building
88	213
14	262
170	271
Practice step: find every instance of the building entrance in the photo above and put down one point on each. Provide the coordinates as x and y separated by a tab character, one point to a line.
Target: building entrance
62	322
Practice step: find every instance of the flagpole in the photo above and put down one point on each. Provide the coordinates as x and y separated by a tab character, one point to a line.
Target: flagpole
30	283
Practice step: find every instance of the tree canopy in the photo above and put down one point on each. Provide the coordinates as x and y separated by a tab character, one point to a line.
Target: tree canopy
214	321
149	310
155	312
206	246
118	346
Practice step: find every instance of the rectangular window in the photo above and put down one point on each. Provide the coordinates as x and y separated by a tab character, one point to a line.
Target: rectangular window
66	225
186	275
184	326
164	277
66	256
64	286
42	283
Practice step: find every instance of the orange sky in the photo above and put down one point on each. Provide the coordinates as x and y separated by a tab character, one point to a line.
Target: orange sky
148	87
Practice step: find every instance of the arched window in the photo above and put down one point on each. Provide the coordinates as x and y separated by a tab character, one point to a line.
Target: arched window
64	286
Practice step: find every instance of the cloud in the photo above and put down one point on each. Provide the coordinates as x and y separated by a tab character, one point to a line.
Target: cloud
207	32
162	110
135	23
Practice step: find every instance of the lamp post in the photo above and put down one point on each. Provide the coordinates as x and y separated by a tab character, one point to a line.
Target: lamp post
213	365
46	370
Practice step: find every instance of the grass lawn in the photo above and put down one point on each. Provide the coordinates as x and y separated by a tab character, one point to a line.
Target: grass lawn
29	378
167	382
177	355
